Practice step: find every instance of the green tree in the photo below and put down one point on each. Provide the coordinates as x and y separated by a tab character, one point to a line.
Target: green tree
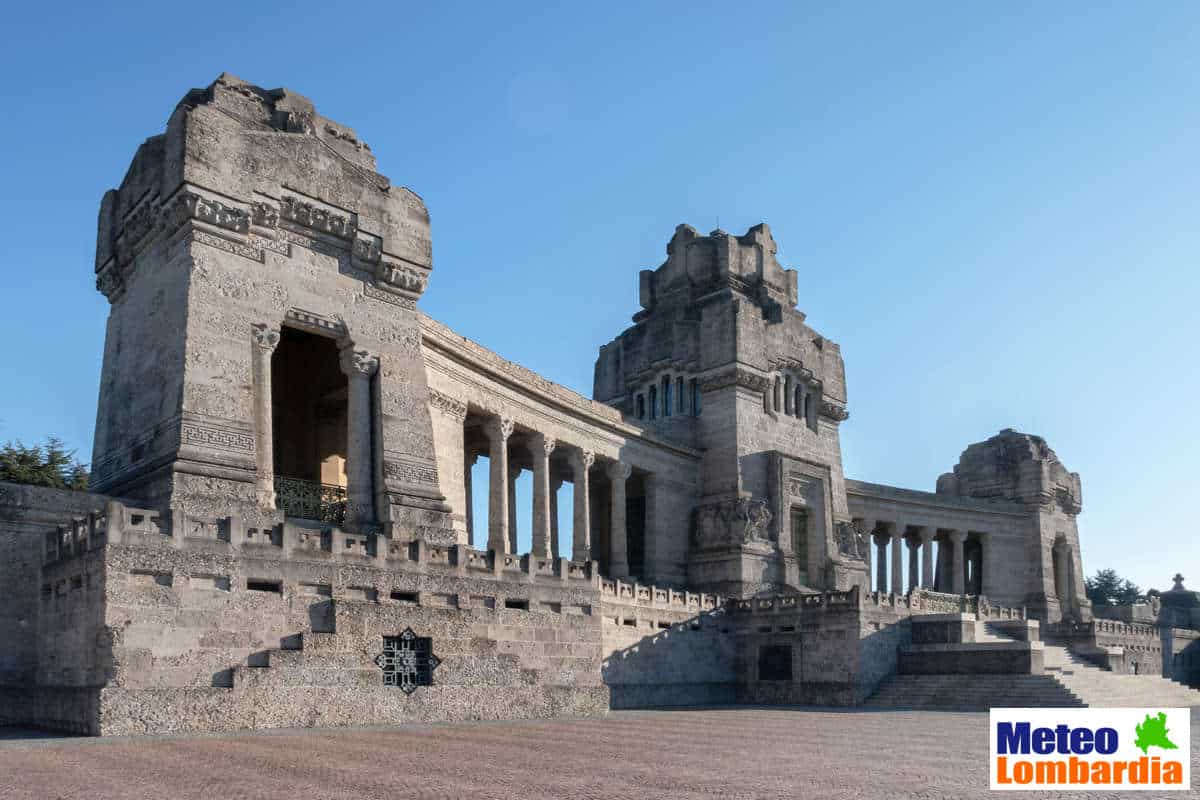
1106	589
49	464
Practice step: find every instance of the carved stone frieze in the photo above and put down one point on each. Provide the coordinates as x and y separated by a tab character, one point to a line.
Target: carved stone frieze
401	278
221	243
368	248
312	216
216	437
447	404
264	215
736	377
375	293
410	472
191	206
852	542
731	523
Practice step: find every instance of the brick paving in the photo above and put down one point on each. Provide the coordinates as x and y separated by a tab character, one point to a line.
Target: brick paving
734	753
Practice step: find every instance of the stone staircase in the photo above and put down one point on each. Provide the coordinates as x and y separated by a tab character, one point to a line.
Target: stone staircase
1068	681
1098	687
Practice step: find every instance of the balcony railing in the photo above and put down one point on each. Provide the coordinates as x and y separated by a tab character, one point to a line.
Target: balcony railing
320	502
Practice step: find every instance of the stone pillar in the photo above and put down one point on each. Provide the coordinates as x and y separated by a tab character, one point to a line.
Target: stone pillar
881	572
897	585
468	493
263	342
581	547
555	545
957	574
914	565
498	430
513	473
985	564
1062	577
541	446
788	399
778	395
359	366
927	535
618	566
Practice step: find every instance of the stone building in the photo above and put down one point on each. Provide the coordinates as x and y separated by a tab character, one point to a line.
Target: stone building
283	500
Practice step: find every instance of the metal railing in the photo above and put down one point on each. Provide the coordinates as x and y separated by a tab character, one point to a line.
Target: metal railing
320	502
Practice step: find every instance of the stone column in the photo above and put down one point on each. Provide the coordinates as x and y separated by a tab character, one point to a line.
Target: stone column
881	572
788	399
778	395
468	493
359	366
541	446
927	536
263	342
1062	577
985	564
897	585
618	565
581	547
555	545
956	571
498	430
914	565
513	473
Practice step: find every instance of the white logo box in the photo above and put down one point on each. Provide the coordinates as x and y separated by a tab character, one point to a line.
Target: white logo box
1123	721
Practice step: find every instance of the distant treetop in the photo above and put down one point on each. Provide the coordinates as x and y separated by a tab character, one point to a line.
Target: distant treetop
49	464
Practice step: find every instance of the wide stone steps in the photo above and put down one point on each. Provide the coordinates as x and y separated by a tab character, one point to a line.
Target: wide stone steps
971	692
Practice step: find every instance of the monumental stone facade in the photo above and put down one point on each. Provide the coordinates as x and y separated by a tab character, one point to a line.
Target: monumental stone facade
282	530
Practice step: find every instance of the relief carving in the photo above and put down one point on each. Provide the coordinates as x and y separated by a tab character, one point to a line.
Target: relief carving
447	404
732	523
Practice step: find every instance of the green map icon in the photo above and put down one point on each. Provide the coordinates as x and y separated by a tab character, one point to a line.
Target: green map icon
1153	733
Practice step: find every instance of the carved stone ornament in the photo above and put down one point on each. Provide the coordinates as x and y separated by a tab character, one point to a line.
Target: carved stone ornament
190	206
619	471
447	404
358	362
265	337
501	427
834	411
852	542
264	215
732	523
308	215
401	278
585	458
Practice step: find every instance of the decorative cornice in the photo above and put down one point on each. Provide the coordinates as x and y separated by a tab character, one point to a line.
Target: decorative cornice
736	377
447	404
316	323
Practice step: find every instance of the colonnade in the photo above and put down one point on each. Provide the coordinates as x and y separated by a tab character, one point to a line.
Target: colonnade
962	564
502	479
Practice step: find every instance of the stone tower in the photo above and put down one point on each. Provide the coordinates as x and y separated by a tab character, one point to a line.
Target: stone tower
263	335
719	359
1021	469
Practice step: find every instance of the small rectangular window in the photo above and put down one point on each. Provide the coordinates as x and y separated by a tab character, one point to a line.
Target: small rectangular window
257	585
666	390
514	603
775	662
405	597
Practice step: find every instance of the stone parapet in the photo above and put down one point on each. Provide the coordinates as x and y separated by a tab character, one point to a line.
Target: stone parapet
618	592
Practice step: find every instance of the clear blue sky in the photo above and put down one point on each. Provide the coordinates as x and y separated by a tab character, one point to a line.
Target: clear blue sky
994	208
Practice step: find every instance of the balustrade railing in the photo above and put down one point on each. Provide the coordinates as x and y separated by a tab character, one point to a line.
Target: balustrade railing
320	502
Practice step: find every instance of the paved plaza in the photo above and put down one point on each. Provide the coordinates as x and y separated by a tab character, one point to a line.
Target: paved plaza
733	753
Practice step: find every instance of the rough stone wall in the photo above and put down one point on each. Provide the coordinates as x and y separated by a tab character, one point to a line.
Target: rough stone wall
27	514
665	648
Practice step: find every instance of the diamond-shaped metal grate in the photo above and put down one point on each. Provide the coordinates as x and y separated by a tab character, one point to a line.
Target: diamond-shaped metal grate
407	661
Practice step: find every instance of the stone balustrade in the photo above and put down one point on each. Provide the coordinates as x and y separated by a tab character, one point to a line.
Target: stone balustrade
618	592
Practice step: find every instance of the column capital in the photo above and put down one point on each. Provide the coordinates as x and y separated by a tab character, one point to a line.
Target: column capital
926	533
544	442
619	470
358	362
958	537
898	529
498	428
265	336
582	457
